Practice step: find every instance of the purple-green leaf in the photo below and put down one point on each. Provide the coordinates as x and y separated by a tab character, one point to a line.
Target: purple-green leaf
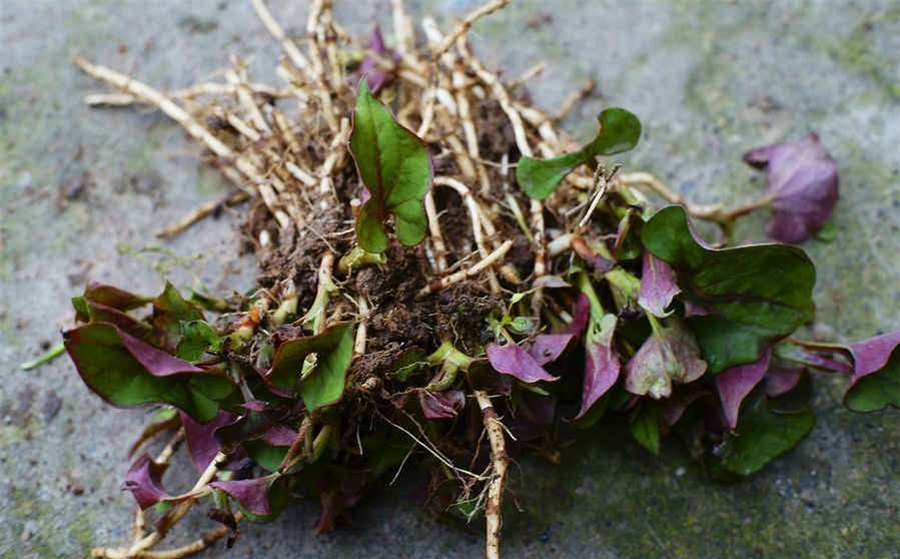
200	437
735	383
394	165
602	365
144	480
252	494
377	76
875	382
441	405
658	286
548	347
669	355
803	184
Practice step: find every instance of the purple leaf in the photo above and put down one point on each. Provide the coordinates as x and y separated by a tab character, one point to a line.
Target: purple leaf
581	315
781	379
279	435
550	282
156	361
871	355
658	286
735	383
875	382
144	480
514	361
377	76
803	183
536	408
201	442
602	366
669	354
253	494
441	405
548	347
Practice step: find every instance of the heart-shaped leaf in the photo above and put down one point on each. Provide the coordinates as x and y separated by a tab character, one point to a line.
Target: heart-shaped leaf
126	371
658	286
619	131
669	354
395	167
735	383
323	384
753	294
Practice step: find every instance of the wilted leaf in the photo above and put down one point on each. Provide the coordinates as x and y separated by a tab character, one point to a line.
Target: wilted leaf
762	435
658	286
395	167
669	354
128	372
735	383
748	304
441	405
324	383
876	374
803	183
619	131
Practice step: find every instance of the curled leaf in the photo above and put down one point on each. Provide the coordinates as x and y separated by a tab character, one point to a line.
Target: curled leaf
669	355
377	76
875	382
602	365
395	167
781	379
323	384
201	441
735	383
441	405
658	286
511	359
548	347
803	184
619	131
252	494
144	480
746	306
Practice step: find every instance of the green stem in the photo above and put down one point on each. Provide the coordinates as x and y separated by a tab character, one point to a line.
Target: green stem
46	357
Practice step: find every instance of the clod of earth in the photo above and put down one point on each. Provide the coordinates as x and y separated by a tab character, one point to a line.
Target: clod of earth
447	279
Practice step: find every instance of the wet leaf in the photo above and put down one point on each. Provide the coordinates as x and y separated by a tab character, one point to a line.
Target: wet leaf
762	435
669	355
128	372
875	382
803	183
658	286
735	383
395	167
144	480
324	383
619	131
747	306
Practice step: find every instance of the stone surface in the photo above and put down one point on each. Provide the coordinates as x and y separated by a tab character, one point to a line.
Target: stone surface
82	192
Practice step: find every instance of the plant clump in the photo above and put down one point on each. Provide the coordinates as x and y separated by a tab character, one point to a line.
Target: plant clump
447	279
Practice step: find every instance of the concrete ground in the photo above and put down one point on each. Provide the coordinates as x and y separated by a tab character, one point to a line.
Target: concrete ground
82	191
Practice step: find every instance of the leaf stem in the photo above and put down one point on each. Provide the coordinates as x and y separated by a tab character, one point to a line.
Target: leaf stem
44	358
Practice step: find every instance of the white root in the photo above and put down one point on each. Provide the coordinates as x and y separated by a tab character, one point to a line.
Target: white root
500	462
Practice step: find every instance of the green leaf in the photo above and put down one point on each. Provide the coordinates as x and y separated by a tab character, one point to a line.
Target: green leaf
878	389
170	309
645	427
324	383
762	434
620	131
197	337
395	167
115	372
754	294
